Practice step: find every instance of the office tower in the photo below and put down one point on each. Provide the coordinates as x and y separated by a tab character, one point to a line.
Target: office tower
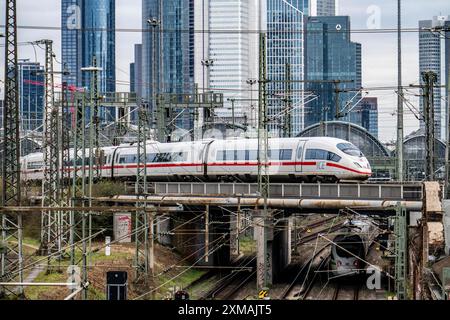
323	7
284	23
31	95
431	47
173	38
331	56
88	29
367	112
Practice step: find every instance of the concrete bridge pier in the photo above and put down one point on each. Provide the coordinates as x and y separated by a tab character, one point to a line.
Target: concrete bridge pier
273	247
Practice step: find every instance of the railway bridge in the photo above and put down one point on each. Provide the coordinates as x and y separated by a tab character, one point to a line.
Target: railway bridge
231	208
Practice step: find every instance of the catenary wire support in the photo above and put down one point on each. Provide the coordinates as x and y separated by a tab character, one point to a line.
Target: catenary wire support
400	231
429	79
264	255
78	192
142	259
11	256
51	227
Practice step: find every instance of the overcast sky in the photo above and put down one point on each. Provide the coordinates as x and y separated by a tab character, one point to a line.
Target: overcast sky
379	50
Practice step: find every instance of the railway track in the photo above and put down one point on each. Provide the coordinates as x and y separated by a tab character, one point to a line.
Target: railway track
346	292
315	263
235	280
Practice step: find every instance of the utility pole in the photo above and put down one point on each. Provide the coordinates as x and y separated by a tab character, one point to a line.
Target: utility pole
11	257
400	91
430	79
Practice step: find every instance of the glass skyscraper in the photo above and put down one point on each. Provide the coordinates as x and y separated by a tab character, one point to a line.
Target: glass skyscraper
285	45
99	22
174	47
323	7
88	29
331	56
367	113
71	39
31	95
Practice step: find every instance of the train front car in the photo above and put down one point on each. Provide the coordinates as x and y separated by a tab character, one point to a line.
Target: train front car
350	248
330	159
347	253
353	165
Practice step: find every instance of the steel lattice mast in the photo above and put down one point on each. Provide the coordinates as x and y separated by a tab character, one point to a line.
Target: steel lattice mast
50	224
11	258
142	259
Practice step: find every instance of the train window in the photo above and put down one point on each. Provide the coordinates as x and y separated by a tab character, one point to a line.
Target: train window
251	155
285	154
316	154
230	155
220	155
333	157
35	165
349	149
240	155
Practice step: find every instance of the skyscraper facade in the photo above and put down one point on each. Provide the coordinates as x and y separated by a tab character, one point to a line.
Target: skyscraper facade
431	59
88	30
229	52
323	7
132	76
173	39
99	22
367	111
71	39
331	56
226	54
31	95
284	22
137	72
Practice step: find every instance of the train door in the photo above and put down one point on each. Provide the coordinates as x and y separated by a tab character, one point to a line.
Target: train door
299	156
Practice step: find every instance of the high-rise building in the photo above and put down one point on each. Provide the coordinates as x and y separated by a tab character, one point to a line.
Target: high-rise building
226	54
431	48
99	23
323	7
88	29
331	56
71	39
367	112
132	77
31	95
284	22
173	39
229	52
136	72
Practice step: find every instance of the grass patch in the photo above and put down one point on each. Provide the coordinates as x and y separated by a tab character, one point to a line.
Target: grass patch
33	293
32	242
247	245
182	281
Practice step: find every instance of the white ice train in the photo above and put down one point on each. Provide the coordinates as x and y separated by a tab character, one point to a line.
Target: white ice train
349	249
289	159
